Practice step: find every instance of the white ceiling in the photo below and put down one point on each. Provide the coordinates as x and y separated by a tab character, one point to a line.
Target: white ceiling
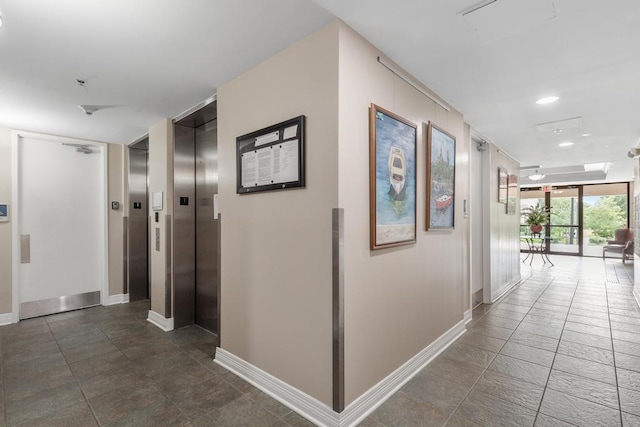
150	59
493	65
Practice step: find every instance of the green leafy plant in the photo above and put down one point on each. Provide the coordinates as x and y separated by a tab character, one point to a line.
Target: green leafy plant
536	215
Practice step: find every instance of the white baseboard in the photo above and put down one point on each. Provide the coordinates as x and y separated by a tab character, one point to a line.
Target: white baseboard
117	299
160	321
635	295
468	315
6	319
505	289
300	402
318	412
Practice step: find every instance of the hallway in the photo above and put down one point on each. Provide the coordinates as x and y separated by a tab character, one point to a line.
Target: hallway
561	348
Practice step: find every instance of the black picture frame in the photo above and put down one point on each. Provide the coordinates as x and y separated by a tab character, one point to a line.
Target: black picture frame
258	152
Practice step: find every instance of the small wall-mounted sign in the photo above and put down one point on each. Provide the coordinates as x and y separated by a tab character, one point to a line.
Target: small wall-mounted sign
156	200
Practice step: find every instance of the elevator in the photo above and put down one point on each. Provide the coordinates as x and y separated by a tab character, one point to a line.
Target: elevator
137	225
196	227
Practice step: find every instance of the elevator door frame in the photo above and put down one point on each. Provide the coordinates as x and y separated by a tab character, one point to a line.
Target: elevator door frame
184	286
144	200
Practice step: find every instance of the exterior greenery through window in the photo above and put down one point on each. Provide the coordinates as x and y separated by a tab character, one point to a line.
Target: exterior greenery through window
605	209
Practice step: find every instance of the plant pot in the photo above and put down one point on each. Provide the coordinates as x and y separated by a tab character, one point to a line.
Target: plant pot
535	228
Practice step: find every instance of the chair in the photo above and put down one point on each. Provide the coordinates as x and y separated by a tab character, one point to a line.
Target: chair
622	243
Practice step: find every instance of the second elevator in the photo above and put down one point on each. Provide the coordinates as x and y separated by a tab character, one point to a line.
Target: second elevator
196	228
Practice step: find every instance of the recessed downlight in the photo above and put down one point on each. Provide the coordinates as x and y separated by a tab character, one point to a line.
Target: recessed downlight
565	144
547	100
586	134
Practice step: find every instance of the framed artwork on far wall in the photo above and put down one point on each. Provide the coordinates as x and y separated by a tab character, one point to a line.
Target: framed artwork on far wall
512	194
441	183
503	185
392	179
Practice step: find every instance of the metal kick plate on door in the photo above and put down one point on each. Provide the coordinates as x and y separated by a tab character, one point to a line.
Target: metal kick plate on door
25	249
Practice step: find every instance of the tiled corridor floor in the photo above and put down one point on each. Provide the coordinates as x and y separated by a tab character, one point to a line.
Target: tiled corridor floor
109	366
562	348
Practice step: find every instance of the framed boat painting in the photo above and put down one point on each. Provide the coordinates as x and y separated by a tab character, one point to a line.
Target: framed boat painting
441	173
392	179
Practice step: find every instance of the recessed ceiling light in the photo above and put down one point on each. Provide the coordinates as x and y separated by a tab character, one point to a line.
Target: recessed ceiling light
586	134
547	100
565	144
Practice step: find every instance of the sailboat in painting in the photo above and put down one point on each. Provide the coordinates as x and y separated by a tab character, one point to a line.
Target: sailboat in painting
396	169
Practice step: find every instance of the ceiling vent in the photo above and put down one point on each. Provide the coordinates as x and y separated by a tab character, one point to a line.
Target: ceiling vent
498	19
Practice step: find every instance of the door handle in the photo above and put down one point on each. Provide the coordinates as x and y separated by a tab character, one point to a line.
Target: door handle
25	249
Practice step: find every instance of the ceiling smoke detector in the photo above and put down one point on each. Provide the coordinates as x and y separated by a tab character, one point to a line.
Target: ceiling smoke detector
90	109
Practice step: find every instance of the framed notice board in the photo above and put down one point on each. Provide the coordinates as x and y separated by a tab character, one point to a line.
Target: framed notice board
271	158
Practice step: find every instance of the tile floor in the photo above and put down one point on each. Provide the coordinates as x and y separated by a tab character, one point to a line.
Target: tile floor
562	348
109	366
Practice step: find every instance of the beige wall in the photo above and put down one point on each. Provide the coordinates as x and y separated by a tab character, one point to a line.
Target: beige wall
501	231
5	227
276	246
397	301
116	217
160	179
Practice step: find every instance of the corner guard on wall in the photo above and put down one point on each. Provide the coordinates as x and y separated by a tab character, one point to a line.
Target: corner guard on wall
337	237
320	413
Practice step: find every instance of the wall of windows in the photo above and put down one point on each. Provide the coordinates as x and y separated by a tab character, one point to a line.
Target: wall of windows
583	217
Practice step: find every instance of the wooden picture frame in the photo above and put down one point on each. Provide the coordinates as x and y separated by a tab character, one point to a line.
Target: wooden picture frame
392	179
441	179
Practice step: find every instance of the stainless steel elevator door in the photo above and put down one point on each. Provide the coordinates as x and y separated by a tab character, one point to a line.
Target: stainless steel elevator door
138	229
207	230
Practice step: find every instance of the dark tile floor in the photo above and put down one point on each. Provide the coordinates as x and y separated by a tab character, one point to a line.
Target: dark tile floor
562	348
109	366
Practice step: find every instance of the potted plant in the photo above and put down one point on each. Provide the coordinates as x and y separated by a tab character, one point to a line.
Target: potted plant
536	217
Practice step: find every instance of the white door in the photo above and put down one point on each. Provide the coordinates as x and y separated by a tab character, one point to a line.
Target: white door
61	225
